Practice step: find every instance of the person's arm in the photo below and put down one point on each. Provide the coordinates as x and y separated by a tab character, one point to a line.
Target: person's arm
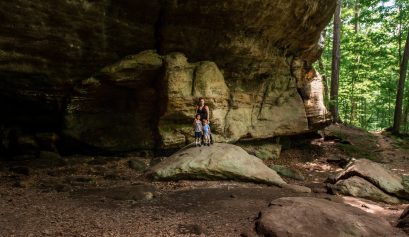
208	113
196	110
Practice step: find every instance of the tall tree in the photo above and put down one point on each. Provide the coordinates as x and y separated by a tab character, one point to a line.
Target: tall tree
356	67
406	110
335	63
356	13
401	86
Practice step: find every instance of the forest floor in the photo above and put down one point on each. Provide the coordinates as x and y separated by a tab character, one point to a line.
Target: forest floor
103	196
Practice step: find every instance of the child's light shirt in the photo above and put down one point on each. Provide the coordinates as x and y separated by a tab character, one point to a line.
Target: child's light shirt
206	129
198	126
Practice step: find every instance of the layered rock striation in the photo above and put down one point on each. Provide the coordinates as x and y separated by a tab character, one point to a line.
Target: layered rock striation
65	68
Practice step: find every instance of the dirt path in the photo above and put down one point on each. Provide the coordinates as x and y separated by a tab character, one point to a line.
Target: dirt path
394	156
180	209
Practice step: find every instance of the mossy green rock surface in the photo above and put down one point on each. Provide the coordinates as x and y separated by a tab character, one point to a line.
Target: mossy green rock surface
288	172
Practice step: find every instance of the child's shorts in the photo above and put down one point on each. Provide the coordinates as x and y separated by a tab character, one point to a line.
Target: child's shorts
198	134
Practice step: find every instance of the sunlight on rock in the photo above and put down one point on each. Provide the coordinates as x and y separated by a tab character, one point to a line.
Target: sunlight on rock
401	170
373	207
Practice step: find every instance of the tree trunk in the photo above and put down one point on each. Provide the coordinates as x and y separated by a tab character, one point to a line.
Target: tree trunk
406	109
335	63
356	67
356	13
401	84
400	35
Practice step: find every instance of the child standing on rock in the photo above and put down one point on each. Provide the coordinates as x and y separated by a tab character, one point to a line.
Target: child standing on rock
198	127
206	132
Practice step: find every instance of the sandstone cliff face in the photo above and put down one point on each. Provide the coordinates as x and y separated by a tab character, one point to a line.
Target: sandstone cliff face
64	67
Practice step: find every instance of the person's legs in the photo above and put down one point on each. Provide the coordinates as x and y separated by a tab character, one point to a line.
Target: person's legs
198	136
203	137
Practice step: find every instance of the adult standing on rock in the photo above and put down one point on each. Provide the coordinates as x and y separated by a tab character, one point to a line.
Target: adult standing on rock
203	110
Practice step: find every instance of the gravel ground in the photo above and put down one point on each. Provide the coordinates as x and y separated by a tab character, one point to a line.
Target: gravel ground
178	209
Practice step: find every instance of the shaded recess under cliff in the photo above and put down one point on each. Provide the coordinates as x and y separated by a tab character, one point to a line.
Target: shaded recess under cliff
252	59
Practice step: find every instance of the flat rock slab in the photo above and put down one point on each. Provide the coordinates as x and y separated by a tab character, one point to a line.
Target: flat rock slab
313	217
217	162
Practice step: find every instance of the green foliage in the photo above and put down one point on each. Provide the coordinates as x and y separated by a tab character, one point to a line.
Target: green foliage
369	69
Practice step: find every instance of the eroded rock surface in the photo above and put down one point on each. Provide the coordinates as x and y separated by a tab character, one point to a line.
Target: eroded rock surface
217	162
288	172
251	59
306	216
379	176
367	179
150	98
359	187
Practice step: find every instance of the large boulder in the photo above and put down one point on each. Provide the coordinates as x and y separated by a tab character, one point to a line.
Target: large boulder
375	175
217	162
288	172
184	83
307	216
265	150
359	187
